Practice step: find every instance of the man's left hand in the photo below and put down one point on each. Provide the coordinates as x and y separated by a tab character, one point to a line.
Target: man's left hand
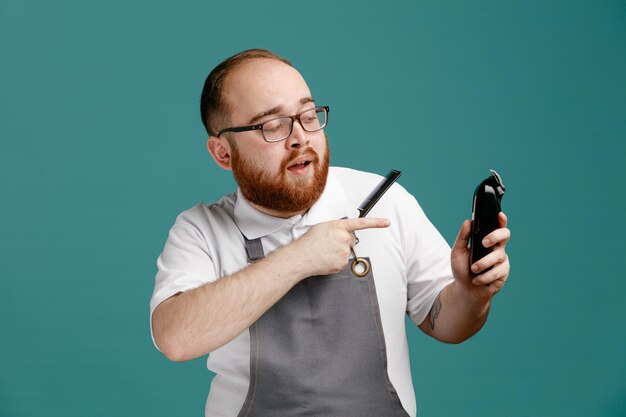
479	283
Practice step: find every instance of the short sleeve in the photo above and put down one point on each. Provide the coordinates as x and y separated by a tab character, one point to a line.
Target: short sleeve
427	263
184	264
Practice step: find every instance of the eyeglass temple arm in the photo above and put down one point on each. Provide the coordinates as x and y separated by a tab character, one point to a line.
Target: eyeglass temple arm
239	129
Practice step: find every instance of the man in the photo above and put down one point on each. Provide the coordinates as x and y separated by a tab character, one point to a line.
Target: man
262	281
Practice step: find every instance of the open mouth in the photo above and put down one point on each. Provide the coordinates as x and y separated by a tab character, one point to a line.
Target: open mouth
300	164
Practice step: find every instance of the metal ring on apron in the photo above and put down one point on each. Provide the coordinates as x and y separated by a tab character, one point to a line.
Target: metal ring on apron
359	261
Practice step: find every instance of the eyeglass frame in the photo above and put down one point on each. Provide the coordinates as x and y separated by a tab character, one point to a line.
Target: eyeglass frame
293	118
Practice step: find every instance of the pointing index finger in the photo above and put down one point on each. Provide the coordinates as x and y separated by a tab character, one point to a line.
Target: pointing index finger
365	223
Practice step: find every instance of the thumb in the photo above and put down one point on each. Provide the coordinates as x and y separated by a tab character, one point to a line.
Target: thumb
462	238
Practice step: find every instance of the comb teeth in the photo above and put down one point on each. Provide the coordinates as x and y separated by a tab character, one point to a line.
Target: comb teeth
378	192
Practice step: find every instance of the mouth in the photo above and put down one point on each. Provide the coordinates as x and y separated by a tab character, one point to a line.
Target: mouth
300	165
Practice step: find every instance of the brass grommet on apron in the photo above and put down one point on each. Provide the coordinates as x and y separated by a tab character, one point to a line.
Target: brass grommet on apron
359	261
364	263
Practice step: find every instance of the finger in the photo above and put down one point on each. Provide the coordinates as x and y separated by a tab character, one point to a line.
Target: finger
499	272
365	223
462	238
502	219
491	280
487	261
493	287
501	236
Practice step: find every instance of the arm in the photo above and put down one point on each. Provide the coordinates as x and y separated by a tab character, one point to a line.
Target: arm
196	322
461	308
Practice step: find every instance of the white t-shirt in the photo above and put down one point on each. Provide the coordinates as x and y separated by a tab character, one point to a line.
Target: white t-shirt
410	259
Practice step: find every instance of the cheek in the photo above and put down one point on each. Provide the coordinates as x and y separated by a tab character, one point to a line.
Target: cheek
321	146
266	158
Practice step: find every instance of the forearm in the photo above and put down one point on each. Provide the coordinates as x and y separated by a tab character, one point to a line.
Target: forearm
196	322
199	321
455	315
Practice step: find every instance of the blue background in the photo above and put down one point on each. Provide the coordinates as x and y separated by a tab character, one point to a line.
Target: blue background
101	146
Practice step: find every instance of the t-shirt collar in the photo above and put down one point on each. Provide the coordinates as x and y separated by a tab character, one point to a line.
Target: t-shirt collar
330	206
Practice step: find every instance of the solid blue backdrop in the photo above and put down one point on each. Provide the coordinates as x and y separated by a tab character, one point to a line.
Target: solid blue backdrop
101	146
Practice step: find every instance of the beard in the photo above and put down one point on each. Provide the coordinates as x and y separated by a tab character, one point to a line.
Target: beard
278	192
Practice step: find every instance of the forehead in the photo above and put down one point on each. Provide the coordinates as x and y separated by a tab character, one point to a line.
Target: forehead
261	84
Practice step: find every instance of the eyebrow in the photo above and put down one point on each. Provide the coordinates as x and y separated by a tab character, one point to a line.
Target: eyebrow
276	110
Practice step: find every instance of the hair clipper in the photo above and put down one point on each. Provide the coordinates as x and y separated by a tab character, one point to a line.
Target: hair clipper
485	210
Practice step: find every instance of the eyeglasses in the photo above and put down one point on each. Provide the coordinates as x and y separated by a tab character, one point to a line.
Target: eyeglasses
280	128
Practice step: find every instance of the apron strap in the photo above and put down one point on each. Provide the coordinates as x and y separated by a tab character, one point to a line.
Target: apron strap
254	249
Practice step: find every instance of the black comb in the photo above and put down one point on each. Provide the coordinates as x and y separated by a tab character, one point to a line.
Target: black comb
378	192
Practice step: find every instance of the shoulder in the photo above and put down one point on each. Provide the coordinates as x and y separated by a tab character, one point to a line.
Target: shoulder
348	175
203	217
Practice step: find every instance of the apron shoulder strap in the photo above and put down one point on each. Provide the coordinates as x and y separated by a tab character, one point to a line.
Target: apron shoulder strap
254	249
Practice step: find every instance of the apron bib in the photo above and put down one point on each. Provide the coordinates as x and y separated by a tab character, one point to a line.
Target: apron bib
320	351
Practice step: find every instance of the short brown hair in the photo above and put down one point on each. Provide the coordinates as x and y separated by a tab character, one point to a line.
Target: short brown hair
212	106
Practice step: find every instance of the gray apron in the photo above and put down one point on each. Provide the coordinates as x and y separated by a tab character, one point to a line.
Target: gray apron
320	351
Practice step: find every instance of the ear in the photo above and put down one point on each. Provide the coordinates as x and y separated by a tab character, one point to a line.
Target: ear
219	148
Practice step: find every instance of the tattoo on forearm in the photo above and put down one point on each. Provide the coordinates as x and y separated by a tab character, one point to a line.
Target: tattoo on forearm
434	312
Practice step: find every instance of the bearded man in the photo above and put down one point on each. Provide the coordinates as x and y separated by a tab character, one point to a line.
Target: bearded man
260	280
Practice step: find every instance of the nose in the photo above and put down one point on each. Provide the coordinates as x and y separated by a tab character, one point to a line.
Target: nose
298	137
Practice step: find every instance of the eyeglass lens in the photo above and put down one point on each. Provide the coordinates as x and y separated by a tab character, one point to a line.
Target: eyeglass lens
278	129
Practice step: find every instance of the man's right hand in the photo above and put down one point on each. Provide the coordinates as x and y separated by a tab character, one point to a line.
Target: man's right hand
325	248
